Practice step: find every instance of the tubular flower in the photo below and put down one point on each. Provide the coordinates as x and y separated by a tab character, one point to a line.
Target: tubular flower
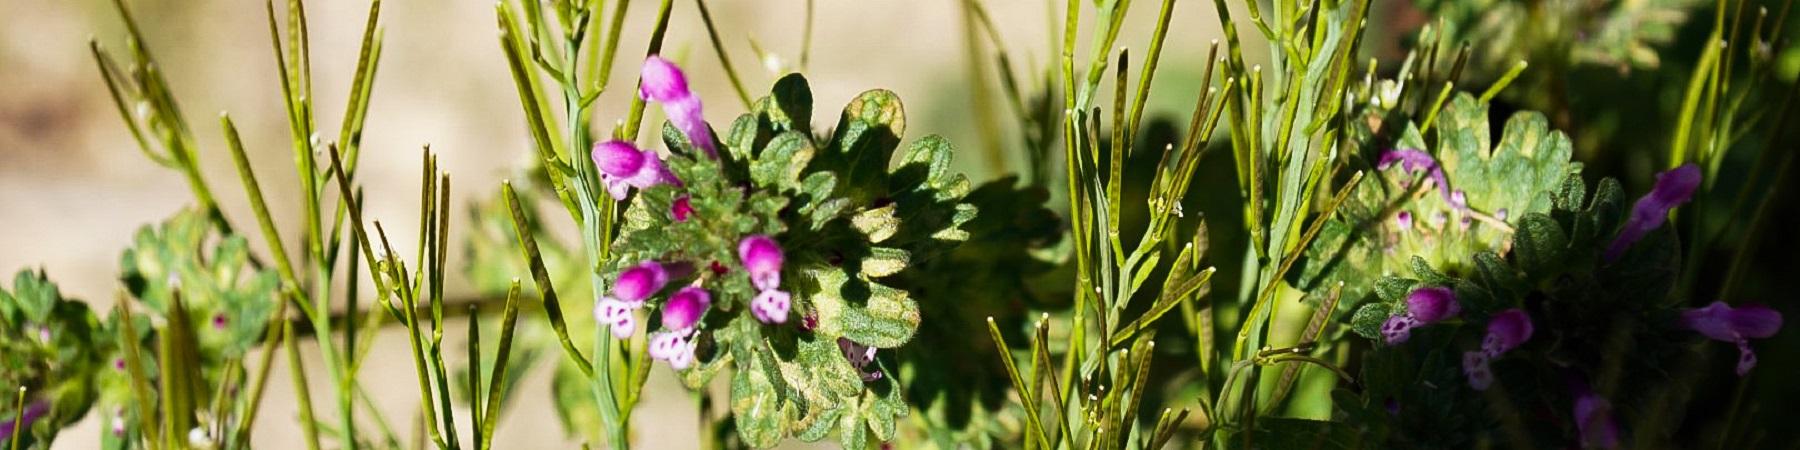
859	356
623	166
673	347
640	282
762	258
1673	188
618	315
1413	160
663	82
1424	306
1721	322
684	308
1594	419
1505	331
34	411
771	306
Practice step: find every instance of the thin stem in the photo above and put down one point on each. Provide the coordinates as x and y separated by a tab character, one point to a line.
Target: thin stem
712	32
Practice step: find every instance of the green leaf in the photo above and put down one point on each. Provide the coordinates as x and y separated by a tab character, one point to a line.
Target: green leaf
865	139
1539	246
1500	181
212	274
1367	320
782	162
869	313
756	404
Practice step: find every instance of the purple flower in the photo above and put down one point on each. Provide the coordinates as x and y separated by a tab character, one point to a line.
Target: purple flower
859	356
1594	419
1404	219
662	82
623	166
34	411
685	307
1424	306
618	315
771	306
640	282
219	321
1721	322
762	258
1398	329
1413	160
1673	188
1432	304
681	209
673	347
1505	332
1475	366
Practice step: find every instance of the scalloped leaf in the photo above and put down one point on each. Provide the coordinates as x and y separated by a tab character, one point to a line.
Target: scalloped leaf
1395	215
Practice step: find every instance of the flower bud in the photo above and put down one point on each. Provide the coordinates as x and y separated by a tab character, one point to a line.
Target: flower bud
685	308
1432	304
640	282
662	81
762	258
1506	331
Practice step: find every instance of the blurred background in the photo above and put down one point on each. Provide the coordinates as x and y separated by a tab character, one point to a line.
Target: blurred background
73	189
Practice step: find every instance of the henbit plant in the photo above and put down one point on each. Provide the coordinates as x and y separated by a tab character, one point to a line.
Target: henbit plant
52	349
816	271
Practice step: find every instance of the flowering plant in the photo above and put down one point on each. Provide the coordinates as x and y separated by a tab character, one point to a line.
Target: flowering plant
1402	264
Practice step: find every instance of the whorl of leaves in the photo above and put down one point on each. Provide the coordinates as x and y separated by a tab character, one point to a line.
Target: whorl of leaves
49	346
1611	323
847	221
1502	182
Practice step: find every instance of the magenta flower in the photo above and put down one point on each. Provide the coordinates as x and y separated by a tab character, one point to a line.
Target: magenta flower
859	356
219	321
623	166
681	209
1413	160
1673	188
1404	219
1424	306
1594	419
684	308
618	315
771	306
1721	322
662	82
673	347
1432	304
639	282
1505	331
34	411
1398	329
762	258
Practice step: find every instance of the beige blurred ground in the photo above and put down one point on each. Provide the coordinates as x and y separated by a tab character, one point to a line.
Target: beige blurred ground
73	189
